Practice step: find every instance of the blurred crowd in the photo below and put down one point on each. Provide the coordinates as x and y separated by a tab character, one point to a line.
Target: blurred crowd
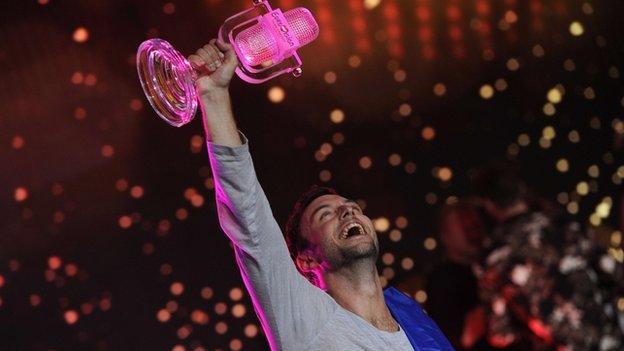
521	274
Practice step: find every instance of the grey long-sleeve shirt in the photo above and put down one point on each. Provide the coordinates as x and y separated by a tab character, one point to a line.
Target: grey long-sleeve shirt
294	314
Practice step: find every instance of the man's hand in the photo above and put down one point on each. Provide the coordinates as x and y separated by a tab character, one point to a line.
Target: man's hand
217	63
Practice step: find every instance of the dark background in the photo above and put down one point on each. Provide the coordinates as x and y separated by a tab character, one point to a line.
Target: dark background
93	183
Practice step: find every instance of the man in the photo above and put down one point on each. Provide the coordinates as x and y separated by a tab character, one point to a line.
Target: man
334	244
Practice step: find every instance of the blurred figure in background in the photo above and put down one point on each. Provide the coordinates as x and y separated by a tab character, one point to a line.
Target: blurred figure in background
544	284
453	299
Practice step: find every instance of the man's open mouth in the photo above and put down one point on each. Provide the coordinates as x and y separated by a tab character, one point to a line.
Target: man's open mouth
351	230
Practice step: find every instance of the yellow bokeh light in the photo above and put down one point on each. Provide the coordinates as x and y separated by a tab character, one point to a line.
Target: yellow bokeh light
513	64
337	116
513	149
554	95
276	94
594	219
500	84
582	188
549	109
603	210
572	207
563	165
576	28
593	171
538	51
549	133
371	4
545	143
445	174
395	235
589	93
569	65
366	162
430	244
486	91
574	136
421	296
381	224
616	238
620	304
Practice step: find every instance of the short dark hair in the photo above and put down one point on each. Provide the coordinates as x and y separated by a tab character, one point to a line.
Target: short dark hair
296	243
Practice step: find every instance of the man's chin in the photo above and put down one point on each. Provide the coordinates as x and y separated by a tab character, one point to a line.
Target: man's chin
361	251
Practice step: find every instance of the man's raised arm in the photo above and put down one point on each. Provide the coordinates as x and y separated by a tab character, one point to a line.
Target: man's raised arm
292	311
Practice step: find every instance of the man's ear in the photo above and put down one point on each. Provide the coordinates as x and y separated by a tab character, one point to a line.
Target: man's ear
306	261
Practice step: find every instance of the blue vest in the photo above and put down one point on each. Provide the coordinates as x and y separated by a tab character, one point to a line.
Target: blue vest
422	332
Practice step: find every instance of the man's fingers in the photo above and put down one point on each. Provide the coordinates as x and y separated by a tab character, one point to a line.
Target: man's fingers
230	58
223	46
205	55
215	54
196	60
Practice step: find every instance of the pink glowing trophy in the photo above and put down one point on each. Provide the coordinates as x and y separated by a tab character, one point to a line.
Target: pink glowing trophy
265	41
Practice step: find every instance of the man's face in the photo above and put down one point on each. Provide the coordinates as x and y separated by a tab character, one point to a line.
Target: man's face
338	232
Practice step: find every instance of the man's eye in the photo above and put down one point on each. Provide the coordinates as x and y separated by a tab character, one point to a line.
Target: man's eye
324	214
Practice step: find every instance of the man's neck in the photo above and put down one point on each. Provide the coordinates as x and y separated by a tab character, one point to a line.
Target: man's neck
357	288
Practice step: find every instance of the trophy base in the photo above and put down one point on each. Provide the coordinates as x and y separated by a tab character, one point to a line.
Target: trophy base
168	81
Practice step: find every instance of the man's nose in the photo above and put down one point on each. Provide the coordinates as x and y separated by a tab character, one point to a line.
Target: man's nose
347	211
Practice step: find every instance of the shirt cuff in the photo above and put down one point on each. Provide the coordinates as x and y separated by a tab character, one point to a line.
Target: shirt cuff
225	153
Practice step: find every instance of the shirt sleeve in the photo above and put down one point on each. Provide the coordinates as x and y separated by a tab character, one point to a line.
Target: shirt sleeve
291	310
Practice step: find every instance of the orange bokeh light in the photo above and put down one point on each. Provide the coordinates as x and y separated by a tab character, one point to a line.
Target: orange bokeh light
71	317
81	35
54	262
20	194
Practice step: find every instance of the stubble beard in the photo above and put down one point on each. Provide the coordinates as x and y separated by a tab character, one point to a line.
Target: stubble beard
354	255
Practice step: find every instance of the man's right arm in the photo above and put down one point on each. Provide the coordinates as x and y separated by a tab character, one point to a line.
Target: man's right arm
290	309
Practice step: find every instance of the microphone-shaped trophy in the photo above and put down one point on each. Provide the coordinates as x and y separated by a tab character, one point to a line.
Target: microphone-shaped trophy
265	41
